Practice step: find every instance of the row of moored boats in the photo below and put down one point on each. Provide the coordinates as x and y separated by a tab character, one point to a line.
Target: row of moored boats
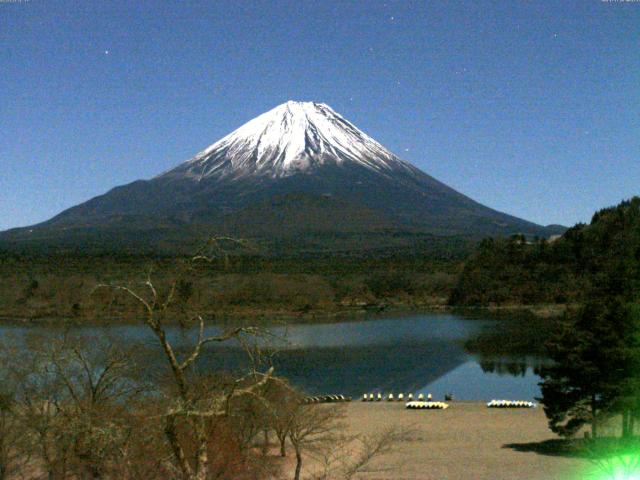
510	404
327	399
370	397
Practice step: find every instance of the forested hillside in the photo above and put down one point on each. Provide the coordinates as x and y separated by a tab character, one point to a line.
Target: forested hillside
602	255
48	286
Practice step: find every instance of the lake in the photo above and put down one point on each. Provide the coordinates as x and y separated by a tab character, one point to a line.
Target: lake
421	353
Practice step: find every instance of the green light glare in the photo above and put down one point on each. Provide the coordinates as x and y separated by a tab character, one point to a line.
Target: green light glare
617	467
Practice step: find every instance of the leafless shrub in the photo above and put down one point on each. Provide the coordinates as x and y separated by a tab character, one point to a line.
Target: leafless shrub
351	455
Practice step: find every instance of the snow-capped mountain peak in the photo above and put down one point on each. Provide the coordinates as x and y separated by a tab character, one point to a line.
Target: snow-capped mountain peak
293	137
298	176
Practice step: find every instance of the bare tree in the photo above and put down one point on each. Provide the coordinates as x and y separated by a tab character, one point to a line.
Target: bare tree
69	403
12	454
364	449
283	402
190	412
313	428
317	430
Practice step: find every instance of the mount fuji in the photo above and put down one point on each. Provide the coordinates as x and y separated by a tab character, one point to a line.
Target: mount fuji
297	172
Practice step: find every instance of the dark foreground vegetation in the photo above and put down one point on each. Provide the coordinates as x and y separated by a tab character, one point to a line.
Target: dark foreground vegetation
76	406
81	407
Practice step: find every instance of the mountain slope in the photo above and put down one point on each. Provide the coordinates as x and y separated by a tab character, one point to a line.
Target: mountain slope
296	170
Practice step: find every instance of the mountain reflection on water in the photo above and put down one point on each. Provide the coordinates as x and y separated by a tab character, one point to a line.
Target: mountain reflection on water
417	353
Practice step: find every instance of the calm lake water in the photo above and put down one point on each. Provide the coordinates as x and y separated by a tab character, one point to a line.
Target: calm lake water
422	353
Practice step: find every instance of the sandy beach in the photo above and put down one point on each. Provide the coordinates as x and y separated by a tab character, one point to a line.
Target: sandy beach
466	441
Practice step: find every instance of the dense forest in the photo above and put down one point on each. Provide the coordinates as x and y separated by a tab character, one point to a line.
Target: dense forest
40	285
604	254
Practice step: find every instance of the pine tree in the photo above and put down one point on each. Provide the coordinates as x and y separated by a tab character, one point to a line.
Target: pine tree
595	368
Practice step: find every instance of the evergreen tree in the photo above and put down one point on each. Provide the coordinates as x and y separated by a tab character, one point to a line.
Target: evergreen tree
595	368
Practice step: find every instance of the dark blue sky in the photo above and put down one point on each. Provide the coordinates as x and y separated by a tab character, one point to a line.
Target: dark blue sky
530	107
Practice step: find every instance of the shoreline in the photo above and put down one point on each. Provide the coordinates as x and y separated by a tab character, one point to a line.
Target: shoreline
264	316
